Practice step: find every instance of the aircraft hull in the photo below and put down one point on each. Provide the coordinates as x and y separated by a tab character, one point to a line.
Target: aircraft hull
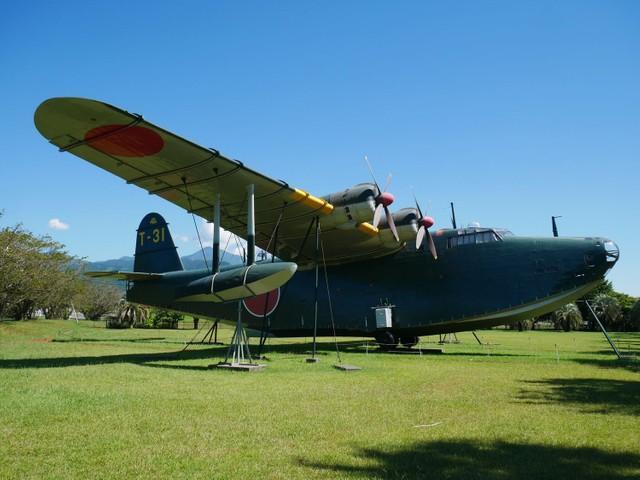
466	288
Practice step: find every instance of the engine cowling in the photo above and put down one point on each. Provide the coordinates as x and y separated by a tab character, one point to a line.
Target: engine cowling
352	206
406	220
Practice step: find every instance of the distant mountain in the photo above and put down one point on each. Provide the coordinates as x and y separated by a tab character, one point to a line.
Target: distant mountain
122	263
194	261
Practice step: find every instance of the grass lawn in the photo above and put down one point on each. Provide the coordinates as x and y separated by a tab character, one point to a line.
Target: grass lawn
80	401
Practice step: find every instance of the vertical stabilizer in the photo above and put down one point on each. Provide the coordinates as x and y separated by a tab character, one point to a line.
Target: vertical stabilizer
155	250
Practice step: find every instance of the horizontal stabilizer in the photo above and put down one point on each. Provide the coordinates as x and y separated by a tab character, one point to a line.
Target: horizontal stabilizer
116	275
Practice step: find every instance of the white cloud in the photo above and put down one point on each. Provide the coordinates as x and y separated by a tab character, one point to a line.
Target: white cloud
58	224
226	240
183	238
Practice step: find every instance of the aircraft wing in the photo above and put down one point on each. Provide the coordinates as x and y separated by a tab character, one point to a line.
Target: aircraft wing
190	176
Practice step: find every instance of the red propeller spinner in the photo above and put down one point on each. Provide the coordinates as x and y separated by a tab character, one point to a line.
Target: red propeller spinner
383	199
425	223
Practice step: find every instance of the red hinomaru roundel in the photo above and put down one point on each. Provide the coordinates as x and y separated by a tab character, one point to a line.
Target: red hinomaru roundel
262	305
128	142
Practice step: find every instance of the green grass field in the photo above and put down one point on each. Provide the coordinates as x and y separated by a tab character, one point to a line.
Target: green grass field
80	401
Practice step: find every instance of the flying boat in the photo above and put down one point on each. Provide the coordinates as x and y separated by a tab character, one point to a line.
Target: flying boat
341	263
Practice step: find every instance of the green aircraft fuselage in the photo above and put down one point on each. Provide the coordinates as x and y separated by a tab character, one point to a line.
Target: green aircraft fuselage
483	277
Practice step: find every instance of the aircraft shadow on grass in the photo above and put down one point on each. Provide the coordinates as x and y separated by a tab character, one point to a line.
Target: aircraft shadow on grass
134	358
592	395
109	340
478	460
359	346
196	352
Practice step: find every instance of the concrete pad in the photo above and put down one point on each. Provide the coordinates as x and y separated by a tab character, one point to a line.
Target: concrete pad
239	367
347	368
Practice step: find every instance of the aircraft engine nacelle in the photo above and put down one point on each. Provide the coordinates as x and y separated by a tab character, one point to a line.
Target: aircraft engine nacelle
406	221
352	206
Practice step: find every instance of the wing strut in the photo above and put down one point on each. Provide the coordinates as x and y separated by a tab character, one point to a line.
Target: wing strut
251	226
274	235
306	237
215	260
195	224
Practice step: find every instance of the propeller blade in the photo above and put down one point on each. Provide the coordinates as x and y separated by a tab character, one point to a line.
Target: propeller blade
417	206
392	224
388	182
420	236
372	175
432	246
377	215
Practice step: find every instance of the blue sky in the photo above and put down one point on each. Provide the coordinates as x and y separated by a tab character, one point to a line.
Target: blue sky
516	111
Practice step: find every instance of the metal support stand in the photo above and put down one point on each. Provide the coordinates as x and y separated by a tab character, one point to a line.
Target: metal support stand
212	334
238	356
476	337
313	358
239	346
604	330
449	338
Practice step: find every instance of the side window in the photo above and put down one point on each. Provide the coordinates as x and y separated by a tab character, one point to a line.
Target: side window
472	238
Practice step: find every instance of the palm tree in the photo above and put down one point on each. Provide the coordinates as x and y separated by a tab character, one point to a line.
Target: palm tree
128	315
608	310
568	318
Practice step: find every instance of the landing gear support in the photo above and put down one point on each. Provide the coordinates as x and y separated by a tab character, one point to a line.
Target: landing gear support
387	340
409	341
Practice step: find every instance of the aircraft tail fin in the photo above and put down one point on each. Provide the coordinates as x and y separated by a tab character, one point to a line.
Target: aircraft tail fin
155	250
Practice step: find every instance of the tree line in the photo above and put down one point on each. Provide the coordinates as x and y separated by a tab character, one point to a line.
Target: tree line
37	274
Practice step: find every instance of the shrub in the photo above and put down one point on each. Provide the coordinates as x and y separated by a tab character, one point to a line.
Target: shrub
165	319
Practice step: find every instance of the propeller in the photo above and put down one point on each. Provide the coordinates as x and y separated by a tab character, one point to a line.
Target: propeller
425	223
383	199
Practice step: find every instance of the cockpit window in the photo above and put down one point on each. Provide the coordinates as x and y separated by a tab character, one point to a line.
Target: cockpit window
473	238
